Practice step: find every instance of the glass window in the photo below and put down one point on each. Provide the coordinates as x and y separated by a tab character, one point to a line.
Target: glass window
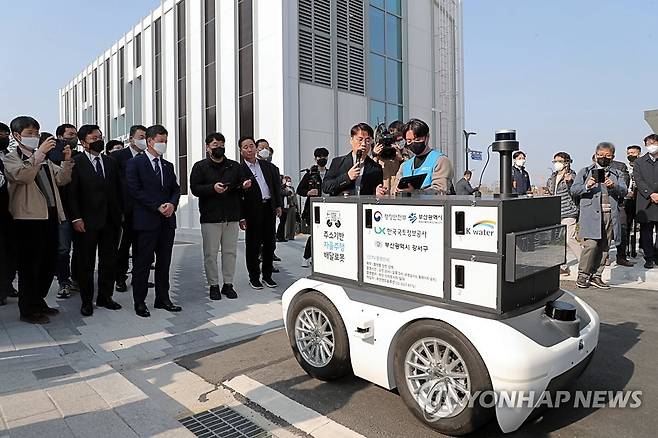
393	36
376	30
377	112
210	42
211	119
246	71
378	3
138	50
246	104
210	9
245	25
393	112
394	6
376	76
211	88
393	81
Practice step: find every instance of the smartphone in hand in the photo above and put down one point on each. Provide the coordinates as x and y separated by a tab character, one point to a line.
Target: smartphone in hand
56	154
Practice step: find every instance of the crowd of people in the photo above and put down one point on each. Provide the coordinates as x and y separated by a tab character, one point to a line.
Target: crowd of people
65	209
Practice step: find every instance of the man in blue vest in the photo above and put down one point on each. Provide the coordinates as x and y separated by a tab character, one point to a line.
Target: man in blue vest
434	164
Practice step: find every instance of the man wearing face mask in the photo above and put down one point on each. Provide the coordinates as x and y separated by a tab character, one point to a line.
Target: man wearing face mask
355	173
36	207
432	163
95	208
520	178
309	186
645	174
136	146
217	181
633	152
155	191
598	186
69	134
264	152
622	244
559	184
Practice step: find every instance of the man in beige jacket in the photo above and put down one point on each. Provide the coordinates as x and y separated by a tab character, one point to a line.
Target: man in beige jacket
36	207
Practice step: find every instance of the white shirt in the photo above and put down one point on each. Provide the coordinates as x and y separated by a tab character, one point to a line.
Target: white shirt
153	164
133	151
260	179
92	158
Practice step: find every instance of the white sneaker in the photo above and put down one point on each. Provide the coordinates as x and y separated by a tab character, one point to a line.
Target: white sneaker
306	263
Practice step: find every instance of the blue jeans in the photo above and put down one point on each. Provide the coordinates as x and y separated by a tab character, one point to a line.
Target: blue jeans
64	253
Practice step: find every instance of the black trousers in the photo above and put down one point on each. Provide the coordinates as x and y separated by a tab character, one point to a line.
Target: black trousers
308	248
623	222
260	233
281	229
37	255
105	241
629	208
10	248
123	257
157	243
647	243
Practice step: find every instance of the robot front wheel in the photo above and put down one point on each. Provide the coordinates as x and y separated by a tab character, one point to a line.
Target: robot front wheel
318	337
436	371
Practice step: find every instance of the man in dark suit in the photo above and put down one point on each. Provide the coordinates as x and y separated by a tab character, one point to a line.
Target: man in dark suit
152	185
261	204
645	175
355	173
95	210
622	260
136	146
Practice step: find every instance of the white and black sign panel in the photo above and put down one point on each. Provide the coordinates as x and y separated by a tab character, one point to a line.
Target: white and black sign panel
335	240
403	247
475	228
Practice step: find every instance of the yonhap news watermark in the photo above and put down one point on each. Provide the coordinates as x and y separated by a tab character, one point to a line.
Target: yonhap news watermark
436	408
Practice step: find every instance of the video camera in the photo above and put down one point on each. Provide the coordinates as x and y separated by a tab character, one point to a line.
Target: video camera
314	180
386	139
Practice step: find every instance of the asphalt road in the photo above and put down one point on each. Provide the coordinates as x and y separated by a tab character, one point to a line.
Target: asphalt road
626	359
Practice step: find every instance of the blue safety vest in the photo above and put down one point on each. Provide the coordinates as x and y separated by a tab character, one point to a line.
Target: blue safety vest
426	168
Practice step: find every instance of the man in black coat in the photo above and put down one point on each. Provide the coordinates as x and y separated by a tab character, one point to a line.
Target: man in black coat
155	191
622	260
645	175
137	145
261	204
217	182
355	173
95	210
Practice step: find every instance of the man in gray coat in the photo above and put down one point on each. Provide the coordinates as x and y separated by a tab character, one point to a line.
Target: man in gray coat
599	213
463	186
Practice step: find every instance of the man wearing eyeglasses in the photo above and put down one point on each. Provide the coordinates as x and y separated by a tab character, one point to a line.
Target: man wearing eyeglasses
434	164
355	173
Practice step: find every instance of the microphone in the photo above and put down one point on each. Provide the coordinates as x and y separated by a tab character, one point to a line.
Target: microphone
359	154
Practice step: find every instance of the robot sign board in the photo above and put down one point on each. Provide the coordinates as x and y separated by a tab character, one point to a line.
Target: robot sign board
403	247
478	230
335	247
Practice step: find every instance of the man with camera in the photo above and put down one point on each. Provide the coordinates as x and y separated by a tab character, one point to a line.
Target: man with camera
433	164
309	186
389	151
598	186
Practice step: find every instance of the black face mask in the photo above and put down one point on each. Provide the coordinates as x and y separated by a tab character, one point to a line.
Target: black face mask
631	158
604	162
321	162
417	147
97	146
72	142
217	152
4	143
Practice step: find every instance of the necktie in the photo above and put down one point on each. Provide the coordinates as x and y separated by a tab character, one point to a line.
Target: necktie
157	169
99	168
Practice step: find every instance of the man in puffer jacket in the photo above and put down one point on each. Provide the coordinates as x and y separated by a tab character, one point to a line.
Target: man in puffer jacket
559	184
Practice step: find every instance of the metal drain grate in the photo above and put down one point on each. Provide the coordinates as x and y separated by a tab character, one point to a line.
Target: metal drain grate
223	422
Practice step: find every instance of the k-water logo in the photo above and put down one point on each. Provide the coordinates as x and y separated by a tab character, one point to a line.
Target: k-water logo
485	227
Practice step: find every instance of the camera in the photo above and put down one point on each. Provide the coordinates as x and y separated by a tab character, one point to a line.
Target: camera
386	139
315	180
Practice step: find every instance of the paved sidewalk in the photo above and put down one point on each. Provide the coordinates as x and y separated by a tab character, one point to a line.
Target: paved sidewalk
111	374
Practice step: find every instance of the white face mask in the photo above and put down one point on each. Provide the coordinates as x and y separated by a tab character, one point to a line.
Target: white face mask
30	143
558	166
264	154
160	148
520	163
140	144
653	149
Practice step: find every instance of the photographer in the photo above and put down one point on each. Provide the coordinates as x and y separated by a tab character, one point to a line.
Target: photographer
309	186
432	163
389	151
598	186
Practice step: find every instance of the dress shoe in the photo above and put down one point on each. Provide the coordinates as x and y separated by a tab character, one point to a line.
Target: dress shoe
109	304
648	264
87	309
142	310
49	311
599	283
229	292
150	285
269	282
35	318
215	293
625	262
169	307
583	280
276	258
13	293
121	286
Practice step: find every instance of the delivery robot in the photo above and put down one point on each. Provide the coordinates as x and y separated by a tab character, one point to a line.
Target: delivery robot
444	298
